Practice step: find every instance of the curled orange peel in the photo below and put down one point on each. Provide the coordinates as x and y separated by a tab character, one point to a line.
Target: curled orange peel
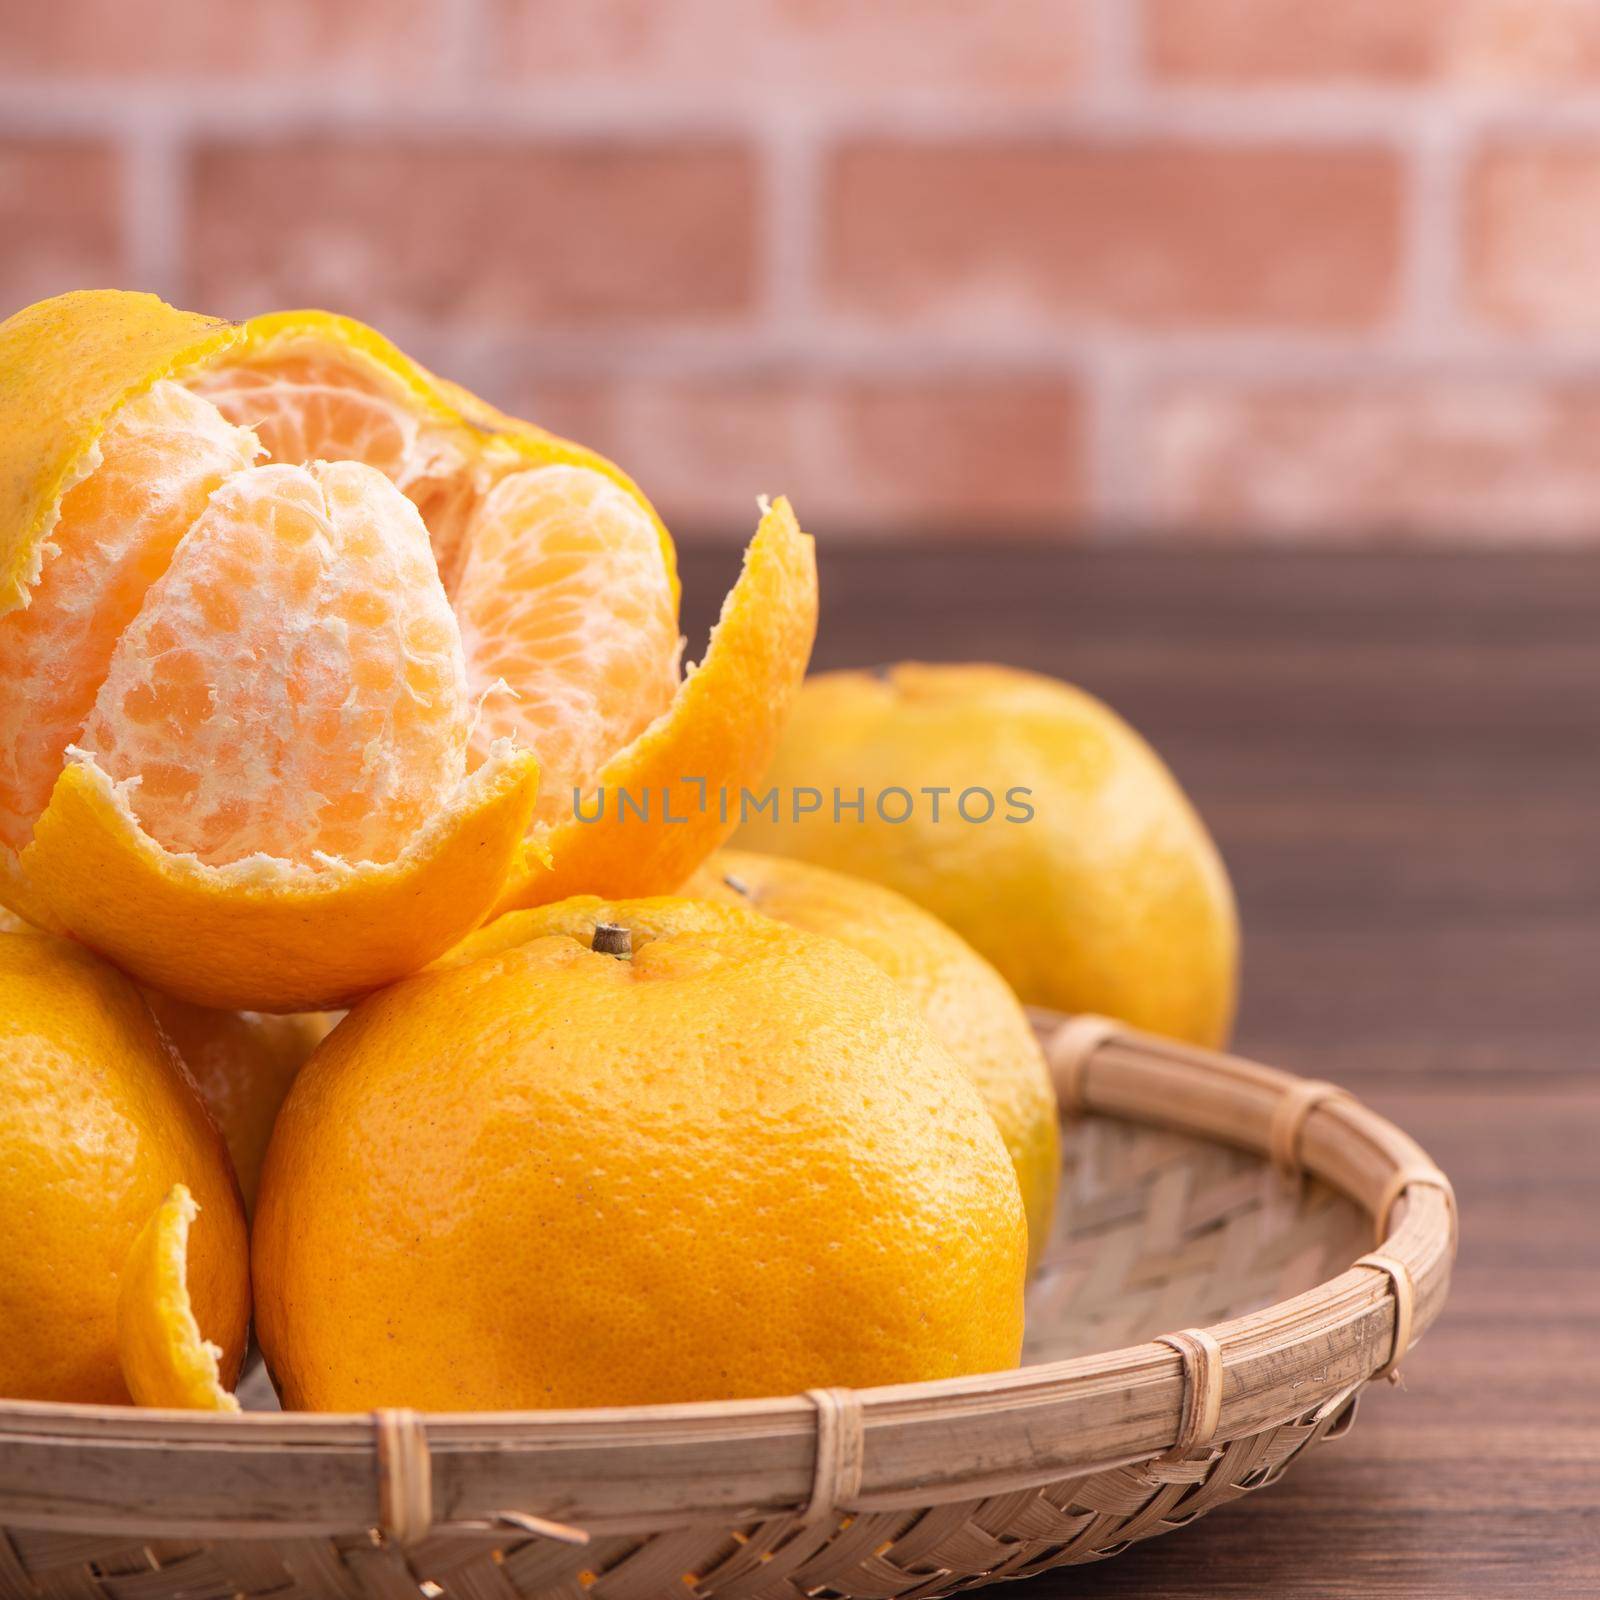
67	365
269	935
166	1361
718	736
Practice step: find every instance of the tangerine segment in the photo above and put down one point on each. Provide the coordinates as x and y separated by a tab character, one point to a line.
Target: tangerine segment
160	458
322	384
308	401
294	684
505	439
718	737
67	365
269	935
566	601
164	1357
305	406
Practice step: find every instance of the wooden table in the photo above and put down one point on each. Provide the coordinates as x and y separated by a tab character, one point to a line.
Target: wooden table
1400	756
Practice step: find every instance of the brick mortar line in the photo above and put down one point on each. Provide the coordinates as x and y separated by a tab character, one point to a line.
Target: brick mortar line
1116	66
196	108
1431	240
1113	400
790	226
1461	353
153	198
253	113
1298	122
466	42
823	353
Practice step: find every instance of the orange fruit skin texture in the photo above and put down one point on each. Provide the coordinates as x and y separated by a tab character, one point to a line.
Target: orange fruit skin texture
98	1121
734	1164
242	1062
1112	899
968	1006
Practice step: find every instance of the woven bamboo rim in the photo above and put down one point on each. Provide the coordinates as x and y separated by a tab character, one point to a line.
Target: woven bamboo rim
434	1492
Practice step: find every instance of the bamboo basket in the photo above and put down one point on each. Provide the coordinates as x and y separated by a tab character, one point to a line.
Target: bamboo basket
1206	1310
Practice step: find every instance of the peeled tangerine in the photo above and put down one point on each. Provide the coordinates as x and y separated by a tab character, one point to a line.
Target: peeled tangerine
99	1126
727	1160
292	632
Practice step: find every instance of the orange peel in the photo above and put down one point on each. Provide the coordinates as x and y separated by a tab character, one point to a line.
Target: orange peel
263	922
166	1360
98	1121
722	727
67	365
269	935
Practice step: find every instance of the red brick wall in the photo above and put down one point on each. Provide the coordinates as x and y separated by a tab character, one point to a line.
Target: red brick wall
1200	268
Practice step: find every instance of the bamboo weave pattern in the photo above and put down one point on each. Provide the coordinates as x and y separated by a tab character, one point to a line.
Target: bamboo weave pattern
1158	1232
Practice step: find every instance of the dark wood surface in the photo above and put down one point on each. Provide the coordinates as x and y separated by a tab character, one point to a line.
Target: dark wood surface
1400	757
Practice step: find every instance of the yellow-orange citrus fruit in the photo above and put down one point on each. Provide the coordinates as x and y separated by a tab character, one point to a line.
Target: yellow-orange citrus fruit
1063	850
731	1161
98	1121
968	1005
166	1360
290	630
243	1063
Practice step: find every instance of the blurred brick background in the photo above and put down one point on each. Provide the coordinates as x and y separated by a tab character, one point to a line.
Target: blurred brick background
1258	269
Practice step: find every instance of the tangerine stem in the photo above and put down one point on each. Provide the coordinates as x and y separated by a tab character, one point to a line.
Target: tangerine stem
612	939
